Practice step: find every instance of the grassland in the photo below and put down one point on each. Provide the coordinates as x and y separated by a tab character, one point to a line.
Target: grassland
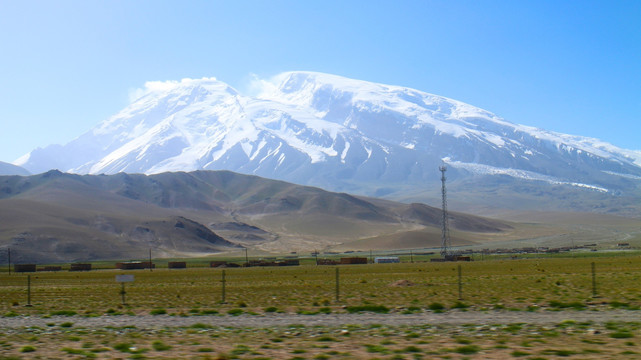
513	284
524	286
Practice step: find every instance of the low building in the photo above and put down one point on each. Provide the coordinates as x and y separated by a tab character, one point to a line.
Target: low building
386	260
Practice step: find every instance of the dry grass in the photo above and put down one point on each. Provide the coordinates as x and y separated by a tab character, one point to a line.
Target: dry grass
511	284
565	339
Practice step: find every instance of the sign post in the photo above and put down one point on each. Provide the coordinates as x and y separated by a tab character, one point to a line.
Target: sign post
122	279
28	291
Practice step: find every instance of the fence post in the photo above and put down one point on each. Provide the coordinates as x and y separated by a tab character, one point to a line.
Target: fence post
28	291
337	285
9	255
594	293
460	284
224	282
122	293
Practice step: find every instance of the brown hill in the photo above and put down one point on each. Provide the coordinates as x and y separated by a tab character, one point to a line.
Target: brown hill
56	217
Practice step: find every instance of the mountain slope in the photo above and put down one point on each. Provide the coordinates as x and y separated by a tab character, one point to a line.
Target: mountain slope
53	217
340	134
10	169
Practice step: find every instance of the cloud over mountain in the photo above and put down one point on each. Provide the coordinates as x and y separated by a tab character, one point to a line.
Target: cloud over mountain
334	132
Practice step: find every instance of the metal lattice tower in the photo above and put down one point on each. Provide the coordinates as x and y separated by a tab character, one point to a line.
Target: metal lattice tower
445	236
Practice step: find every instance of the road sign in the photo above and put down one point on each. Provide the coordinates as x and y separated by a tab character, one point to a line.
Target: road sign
124	278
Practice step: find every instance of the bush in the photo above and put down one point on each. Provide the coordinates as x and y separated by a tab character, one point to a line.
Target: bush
460	305
561	305
467	350
26	349
123	347
436	306
621	335
160	346
371	308
200	326
235	312
158	312
63	313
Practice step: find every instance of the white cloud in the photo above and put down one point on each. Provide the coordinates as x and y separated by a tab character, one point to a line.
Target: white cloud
258	86
162	86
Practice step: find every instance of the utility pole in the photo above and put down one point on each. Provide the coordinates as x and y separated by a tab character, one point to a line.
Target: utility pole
445	231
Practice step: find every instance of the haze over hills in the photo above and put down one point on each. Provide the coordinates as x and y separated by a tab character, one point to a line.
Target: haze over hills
54	217
10	169
354	136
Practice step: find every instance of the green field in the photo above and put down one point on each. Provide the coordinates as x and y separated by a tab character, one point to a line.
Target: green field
494	283
526	287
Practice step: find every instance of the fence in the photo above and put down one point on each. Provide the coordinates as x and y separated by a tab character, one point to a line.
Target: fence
523	284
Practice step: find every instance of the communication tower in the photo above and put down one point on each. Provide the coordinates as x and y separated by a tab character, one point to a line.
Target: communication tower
445	235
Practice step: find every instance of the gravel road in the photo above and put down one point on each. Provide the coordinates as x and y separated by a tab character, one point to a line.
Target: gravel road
270	320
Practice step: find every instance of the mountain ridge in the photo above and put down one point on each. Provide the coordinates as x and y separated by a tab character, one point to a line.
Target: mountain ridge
336	133
11	169
56	216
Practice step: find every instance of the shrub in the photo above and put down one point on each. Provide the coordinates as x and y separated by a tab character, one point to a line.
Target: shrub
235	312
467	349
123	347
460	305
26	349
561	352
326	338
158	312
371	308
160	346
561	305
412	349
621	335
63	313
436	306
200	326
376	349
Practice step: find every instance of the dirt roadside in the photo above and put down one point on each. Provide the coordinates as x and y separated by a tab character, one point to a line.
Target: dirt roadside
270	320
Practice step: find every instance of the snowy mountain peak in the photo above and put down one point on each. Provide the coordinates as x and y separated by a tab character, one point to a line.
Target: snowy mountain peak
329	131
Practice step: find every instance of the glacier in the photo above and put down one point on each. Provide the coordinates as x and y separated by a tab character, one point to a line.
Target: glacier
330	131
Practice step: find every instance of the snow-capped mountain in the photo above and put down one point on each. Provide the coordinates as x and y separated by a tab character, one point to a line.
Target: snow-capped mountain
330	131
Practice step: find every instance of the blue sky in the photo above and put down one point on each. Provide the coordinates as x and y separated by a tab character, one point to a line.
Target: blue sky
567	66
